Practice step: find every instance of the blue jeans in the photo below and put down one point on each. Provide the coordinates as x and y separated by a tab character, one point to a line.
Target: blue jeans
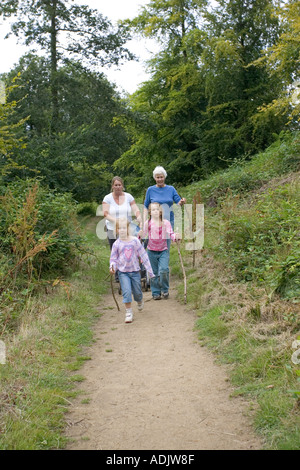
160	265
131	285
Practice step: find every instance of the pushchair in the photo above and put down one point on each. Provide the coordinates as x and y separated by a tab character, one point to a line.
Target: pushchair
145	279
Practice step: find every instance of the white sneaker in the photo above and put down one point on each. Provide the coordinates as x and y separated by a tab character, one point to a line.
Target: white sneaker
140	305
128	316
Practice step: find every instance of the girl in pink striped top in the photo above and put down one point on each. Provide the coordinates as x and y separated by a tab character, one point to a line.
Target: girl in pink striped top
159	230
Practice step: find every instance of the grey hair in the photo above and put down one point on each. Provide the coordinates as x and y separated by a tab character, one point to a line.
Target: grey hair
159	170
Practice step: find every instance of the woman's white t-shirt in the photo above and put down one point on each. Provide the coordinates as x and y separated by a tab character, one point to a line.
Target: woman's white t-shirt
118	211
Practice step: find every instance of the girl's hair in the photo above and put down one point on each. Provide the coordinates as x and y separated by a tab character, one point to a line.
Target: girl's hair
117	178
159	170
118	222
161	212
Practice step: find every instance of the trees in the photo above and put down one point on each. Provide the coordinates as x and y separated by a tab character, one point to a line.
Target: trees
9	130
66	30
166	107
282	60
80	156
217	69
202	102
71	140
236	88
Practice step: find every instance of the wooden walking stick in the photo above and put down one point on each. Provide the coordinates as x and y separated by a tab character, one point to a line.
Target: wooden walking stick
183	271
112	291
196	200
182	266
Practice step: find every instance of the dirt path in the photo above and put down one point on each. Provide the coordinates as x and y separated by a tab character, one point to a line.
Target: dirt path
151	386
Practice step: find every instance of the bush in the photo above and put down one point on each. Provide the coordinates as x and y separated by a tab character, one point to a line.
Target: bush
263	241
39	238
29	212
244	176
87	209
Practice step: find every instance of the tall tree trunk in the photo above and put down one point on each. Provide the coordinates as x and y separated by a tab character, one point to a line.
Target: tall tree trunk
53	77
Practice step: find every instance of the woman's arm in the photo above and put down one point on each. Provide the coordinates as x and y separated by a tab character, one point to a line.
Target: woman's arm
105	208
136	211
146	204
113	258
177	198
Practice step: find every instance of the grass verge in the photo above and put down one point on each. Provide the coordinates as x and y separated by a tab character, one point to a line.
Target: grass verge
254	336
37	380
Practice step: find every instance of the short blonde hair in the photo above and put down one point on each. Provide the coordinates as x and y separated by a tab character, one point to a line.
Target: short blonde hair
159	170
119	221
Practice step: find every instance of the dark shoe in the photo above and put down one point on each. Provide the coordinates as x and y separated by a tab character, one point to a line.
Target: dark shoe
165	295
156	297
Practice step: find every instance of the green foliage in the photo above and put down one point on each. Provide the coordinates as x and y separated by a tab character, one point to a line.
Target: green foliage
90	34
282	59
161	125
253	219
168	21
39	239
254	335
9	138
87	209
243	176
85	33
28	212
78	158
37	383
200	111
263	241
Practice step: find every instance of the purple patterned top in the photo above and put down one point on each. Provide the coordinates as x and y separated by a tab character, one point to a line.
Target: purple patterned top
125	256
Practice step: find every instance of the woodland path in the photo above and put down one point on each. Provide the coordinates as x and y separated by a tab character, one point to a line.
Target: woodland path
151	386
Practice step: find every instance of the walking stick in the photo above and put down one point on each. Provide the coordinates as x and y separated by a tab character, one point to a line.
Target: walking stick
112	291
183	271
182	266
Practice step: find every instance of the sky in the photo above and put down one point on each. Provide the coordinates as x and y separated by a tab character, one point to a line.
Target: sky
128	77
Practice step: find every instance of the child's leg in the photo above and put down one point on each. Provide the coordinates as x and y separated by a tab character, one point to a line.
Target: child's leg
163	268
125	284
136	286
154	283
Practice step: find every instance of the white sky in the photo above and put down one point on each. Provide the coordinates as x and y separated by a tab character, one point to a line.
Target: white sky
130	74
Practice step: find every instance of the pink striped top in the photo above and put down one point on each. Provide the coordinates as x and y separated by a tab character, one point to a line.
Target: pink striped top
158	235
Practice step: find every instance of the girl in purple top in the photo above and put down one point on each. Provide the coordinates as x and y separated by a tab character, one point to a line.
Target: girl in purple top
125	255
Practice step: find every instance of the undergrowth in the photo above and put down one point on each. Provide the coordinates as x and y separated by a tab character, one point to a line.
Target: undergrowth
252	335
45	351
245	284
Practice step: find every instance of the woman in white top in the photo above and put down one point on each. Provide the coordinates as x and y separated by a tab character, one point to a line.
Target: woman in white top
116	205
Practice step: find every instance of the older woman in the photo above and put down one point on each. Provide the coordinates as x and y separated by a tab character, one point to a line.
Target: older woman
163	194
116	205
166	196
